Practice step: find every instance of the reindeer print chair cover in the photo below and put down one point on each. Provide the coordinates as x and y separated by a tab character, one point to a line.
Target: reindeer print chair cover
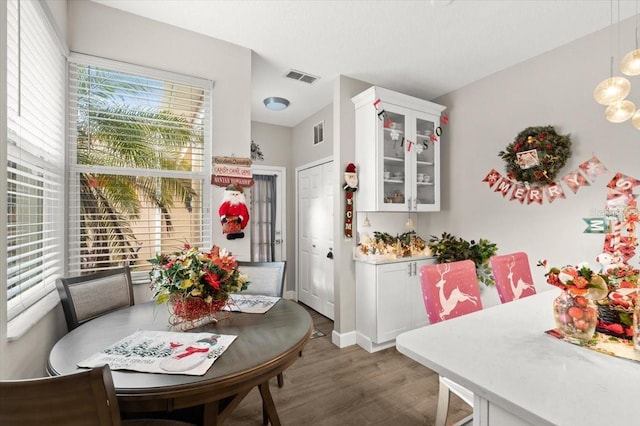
450	289
512	275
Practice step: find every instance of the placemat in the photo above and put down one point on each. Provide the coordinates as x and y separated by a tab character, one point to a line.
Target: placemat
250	303
604	343
164	352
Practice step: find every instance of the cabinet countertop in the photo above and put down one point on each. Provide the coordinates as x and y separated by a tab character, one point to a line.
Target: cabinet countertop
381	259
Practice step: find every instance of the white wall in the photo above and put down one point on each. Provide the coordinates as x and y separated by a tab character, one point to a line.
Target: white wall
553	89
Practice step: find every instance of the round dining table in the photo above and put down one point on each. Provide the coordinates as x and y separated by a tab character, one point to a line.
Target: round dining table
265	346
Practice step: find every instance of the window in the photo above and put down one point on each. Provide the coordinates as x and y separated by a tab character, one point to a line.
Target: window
34	157
139	164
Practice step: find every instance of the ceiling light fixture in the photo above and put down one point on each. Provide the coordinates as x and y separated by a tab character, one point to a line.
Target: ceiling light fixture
613	91
275	103
630	64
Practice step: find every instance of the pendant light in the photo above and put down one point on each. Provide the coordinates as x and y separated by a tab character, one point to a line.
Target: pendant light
636	119
620	111
630	64
612	89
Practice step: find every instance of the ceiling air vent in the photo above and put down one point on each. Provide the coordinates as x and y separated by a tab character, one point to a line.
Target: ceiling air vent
301	76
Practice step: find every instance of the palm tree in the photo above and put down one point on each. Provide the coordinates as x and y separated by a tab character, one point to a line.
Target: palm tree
115	132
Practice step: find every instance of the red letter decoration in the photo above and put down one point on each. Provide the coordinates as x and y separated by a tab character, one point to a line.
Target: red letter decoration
504	186
622	183
535	196
574	181
519	193
554	191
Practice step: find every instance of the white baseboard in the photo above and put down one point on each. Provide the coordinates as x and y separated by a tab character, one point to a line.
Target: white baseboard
290	295
342	340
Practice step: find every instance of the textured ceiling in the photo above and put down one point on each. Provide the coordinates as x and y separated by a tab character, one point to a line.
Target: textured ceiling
423	48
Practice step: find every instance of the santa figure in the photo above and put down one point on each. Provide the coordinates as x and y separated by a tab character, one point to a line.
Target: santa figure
233	212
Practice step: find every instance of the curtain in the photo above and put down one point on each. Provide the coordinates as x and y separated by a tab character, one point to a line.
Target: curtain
263	215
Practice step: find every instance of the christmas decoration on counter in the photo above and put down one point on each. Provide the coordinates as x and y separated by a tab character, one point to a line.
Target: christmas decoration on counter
536	155
350	186
232	171
449	248
385	246
523	191
233	212
256	152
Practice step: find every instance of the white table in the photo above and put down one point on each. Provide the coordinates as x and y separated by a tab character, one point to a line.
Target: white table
520	375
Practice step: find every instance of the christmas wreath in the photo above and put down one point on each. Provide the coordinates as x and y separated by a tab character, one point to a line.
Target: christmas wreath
536	155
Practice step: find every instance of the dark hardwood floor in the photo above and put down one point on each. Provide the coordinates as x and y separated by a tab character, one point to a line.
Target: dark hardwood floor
330	386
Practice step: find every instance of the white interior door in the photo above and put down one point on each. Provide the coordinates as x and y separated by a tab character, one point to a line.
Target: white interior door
315	233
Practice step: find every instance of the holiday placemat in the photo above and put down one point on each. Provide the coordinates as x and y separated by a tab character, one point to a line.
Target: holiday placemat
250	303
163	352
603	343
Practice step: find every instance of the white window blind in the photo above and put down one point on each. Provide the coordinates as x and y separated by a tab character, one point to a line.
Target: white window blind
35	156
140	164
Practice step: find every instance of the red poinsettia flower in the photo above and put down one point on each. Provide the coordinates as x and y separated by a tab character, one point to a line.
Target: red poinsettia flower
169	265
212	280
542	136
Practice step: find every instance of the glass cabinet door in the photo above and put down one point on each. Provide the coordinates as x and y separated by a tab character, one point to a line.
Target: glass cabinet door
425	166
394	128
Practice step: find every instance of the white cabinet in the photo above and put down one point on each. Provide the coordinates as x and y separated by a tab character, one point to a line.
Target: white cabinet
398	164
388	301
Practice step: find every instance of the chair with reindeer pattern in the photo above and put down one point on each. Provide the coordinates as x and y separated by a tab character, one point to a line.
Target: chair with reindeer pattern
512	274
450	290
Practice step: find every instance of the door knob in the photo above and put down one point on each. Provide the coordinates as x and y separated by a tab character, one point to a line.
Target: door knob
330	255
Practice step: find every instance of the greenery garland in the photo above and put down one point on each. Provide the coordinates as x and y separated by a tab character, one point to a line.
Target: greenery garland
551	150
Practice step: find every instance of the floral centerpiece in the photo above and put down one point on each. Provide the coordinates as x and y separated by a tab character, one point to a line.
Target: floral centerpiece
195	284
574	309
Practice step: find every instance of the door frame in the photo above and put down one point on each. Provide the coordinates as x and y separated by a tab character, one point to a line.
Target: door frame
281	200
297	223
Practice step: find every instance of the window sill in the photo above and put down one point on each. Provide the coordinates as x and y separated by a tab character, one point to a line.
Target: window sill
20	325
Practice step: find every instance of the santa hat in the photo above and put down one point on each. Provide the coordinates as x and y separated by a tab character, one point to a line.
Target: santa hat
351	168
233	188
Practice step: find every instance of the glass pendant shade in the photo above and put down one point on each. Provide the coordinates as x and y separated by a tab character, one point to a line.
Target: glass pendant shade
630	64
636	119
620	111
612	90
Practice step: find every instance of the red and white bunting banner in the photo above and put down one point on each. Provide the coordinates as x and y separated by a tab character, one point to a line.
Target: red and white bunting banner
575	181
387	123
593	168
535	194
492	177
504	186
623	183
554	191
520	193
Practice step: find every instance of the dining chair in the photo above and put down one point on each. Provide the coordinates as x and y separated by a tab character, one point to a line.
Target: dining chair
450	290
87	398
512	274
89	296
266	279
